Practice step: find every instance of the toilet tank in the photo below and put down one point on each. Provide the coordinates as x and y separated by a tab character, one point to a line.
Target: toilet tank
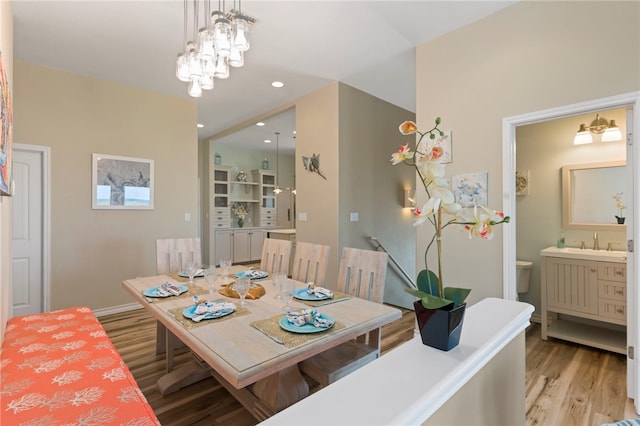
523	275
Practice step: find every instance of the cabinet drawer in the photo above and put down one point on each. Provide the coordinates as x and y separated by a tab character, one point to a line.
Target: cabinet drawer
222	224
614	309
267	217
267	222
612	271
268	211
612	290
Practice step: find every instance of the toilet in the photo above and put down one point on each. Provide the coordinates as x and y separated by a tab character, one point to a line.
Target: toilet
523	275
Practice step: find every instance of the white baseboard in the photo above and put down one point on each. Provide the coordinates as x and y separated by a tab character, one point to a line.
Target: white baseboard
116	309
536	318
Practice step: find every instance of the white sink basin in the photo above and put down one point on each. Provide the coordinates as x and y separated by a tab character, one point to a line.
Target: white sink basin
585	254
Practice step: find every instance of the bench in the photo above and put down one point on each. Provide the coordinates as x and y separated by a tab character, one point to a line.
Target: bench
61	368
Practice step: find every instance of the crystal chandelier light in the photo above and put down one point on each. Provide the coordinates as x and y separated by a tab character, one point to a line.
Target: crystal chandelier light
221	43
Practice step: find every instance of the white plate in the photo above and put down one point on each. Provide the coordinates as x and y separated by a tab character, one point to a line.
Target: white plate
190	312
307	328
302	294
153	292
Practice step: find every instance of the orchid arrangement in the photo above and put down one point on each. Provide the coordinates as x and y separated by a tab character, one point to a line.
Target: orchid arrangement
619	203
427	159
239	210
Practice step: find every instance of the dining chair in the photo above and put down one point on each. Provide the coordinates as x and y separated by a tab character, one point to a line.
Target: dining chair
275	256
310	263
361	274
173	254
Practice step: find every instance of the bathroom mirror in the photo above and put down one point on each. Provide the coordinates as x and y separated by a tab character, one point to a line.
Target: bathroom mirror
587	195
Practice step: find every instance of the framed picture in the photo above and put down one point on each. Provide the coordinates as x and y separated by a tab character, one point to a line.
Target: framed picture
522	182
121	182
471	189
447	147
6	112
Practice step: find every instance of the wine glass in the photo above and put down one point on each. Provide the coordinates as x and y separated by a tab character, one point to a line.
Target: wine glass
288	290
191	271
278	279
210	276
242	288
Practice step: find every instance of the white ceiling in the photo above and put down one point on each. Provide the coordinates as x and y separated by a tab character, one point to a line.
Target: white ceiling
369	45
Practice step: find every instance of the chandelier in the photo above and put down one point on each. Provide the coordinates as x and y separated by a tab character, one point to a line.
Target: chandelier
219	44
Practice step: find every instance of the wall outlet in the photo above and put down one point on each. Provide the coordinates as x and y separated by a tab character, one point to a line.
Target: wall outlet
187	217
354	216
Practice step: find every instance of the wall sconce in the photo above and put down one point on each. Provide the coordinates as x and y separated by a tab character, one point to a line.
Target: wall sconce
609	130
409	199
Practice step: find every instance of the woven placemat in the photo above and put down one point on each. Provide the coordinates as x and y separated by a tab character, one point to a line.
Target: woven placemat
337	297
192	290
256	291
271	328
187	323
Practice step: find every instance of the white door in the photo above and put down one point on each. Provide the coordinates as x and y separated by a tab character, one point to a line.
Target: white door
29	293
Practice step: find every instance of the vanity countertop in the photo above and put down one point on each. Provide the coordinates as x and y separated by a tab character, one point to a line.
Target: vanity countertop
586	254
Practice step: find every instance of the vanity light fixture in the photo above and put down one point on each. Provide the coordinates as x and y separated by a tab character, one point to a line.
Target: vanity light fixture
600	126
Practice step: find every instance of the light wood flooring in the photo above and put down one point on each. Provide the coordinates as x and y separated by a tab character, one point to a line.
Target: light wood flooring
566	384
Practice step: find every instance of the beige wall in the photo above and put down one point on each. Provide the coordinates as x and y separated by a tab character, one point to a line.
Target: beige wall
543	149
372	187
93	251
527	57
6	49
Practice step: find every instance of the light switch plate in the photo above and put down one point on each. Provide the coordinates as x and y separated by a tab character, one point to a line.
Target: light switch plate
302	217
187	217
354	216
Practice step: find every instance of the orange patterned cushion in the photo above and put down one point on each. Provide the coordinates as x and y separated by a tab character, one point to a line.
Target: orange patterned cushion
61	368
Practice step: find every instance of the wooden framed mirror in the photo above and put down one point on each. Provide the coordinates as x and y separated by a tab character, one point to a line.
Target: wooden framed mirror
588	191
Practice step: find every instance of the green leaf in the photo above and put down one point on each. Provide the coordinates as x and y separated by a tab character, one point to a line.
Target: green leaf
428	282
457	295
433	302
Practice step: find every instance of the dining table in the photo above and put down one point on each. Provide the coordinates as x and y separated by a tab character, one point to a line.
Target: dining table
253	351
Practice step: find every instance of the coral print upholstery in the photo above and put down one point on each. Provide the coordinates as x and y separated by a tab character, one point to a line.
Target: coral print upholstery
60	368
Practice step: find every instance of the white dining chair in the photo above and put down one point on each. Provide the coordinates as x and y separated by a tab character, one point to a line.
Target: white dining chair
361	274
310	263
275	256
173	254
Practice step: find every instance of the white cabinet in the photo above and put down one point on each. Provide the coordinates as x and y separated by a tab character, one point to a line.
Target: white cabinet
575	290
239	245
266	179
223	245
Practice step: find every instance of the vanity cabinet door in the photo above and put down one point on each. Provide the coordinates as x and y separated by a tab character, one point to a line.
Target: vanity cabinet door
572	285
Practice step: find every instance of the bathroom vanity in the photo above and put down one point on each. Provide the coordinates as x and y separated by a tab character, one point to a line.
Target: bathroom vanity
584	297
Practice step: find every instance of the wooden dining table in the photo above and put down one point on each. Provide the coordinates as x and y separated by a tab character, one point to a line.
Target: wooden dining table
253	357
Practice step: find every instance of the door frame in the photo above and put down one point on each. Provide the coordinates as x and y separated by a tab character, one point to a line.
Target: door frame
509	124
45	155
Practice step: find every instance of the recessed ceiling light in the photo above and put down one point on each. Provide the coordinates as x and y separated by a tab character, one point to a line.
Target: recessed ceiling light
267	141
294	132
260	123
277	84
200	125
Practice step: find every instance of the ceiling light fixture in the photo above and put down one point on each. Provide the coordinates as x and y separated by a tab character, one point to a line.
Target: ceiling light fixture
600	126
277	84
199	125
277	189
259	124
220	43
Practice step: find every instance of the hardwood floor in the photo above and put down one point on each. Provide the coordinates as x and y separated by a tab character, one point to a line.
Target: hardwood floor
566	384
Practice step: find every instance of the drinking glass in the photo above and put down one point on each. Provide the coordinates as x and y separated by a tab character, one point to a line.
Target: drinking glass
287	289
225	265
191	271
210	275
278	279
242	288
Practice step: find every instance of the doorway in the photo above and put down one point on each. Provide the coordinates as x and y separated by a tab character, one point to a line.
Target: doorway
631	102
31	218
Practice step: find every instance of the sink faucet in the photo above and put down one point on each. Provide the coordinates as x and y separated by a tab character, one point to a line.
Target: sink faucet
596	245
